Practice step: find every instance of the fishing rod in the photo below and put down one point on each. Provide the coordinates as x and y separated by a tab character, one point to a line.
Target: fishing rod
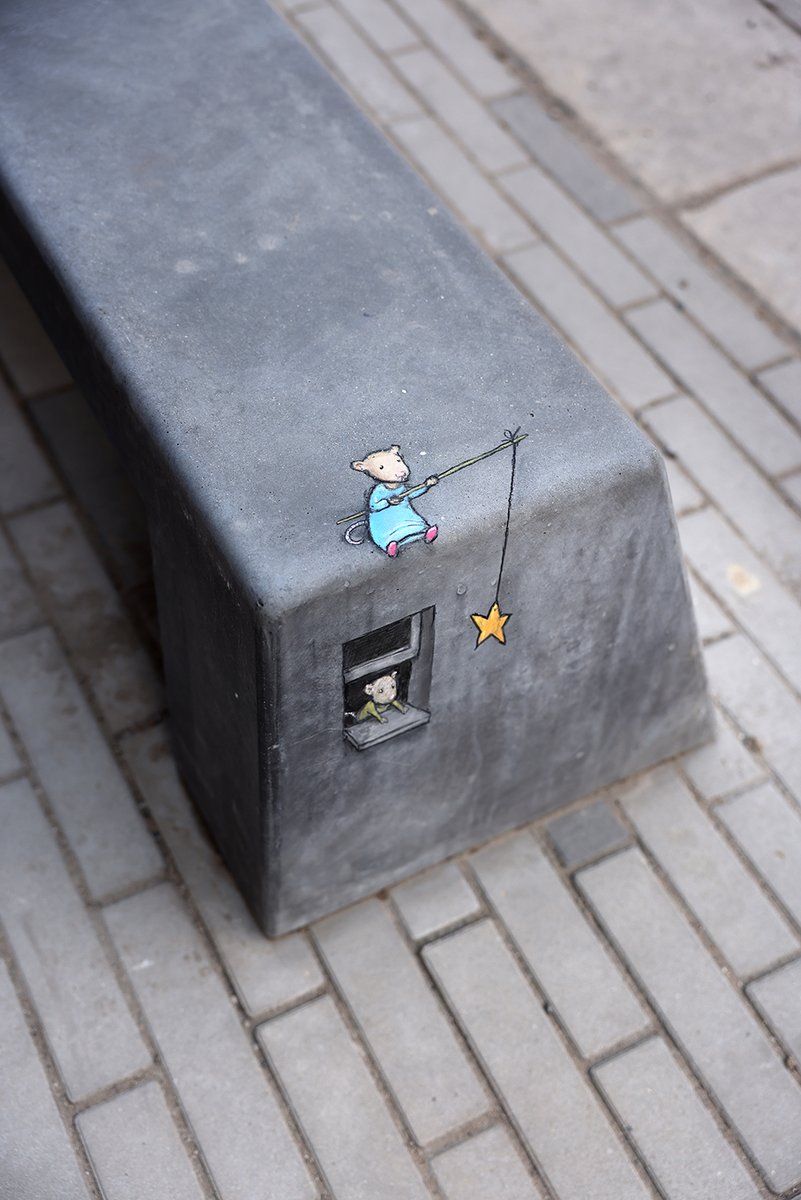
468	462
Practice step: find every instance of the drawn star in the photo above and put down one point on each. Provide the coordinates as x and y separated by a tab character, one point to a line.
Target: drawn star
491	625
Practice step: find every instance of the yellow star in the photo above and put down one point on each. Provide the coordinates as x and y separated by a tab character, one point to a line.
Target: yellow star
491	625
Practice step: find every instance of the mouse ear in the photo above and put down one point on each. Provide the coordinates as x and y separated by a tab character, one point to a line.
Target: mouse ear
368	687
394	674
359	466
395	448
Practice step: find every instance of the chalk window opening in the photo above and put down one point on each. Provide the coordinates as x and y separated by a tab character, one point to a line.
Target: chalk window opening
401	651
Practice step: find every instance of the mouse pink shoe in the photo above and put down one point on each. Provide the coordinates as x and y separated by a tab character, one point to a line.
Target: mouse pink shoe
392	550
431	534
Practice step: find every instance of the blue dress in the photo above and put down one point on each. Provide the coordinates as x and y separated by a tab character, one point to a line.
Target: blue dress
395	522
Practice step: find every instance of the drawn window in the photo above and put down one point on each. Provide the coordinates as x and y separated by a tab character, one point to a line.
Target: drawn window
387	680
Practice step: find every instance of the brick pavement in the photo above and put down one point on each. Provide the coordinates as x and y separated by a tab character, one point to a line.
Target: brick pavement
602	1006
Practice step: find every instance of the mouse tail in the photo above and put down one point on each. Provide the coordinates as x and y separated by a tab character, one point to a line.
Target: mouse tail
356	534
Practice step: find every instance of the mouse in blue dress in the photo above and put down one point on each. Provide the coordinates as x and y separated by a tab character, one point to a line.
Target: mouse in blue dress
392	520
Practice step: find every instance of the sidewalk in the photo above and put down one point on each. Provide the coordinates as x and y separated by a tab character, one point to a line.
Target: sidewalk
603	1006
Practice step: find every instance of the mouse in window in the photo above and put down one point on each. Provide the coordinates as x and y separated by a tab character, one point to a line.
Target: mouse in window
383	694
392	520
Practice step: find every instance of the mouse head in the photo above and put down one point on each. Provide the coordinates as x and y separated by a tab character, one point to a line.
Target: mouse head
384	689
385	466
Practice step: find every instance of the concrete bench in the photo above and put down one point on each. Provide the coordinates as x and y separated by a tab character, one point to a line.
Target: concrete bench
270	312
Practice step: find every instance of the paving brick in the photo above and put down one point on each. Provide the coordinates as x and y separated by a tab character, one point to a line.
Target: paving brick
338	1106
135	1150
744	412
95	475
749	589
684	494
486	1165
746	338
723	765
711	620
746	928
776	997
86	1022
435	900
550	1102
466	118
234	1115
760	703
768	830
37	1161
676	1135
449	32
9	760
25	477
733	484
25	349
586	833
566	159
597	258
19	608
75	766
360	67
783	383
401	1021
705	1014
462	184
570	964
386	28
599	337
267	974
86	609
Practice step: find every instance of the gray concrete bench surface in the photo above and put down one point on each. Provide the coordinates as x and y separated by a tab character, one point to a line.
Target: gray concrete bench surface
254	292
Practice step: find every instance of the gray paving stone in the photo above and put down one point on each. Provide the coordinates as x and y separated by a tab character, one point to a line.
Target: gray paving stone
461	183
725	393
600	338
551	1104
359	66
711	620
723	765
747	929
424	1065
9	759
246	1144
570	964
37	1161
75	766
586	832
135	1150
598	259
705	1014
486	1165
86	609
684	493
383	25
95	476
468	119
776	997
783	383
86	1022
449	32
676	1135
266	974
746	338
25	477
19	608
734	485
749	589
768	830
338	1106
566	159
435	900
25	349
760	703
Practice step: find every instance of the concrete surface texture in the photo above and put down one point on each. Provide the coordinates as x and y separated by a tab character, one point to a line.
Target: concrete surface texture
455	1037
